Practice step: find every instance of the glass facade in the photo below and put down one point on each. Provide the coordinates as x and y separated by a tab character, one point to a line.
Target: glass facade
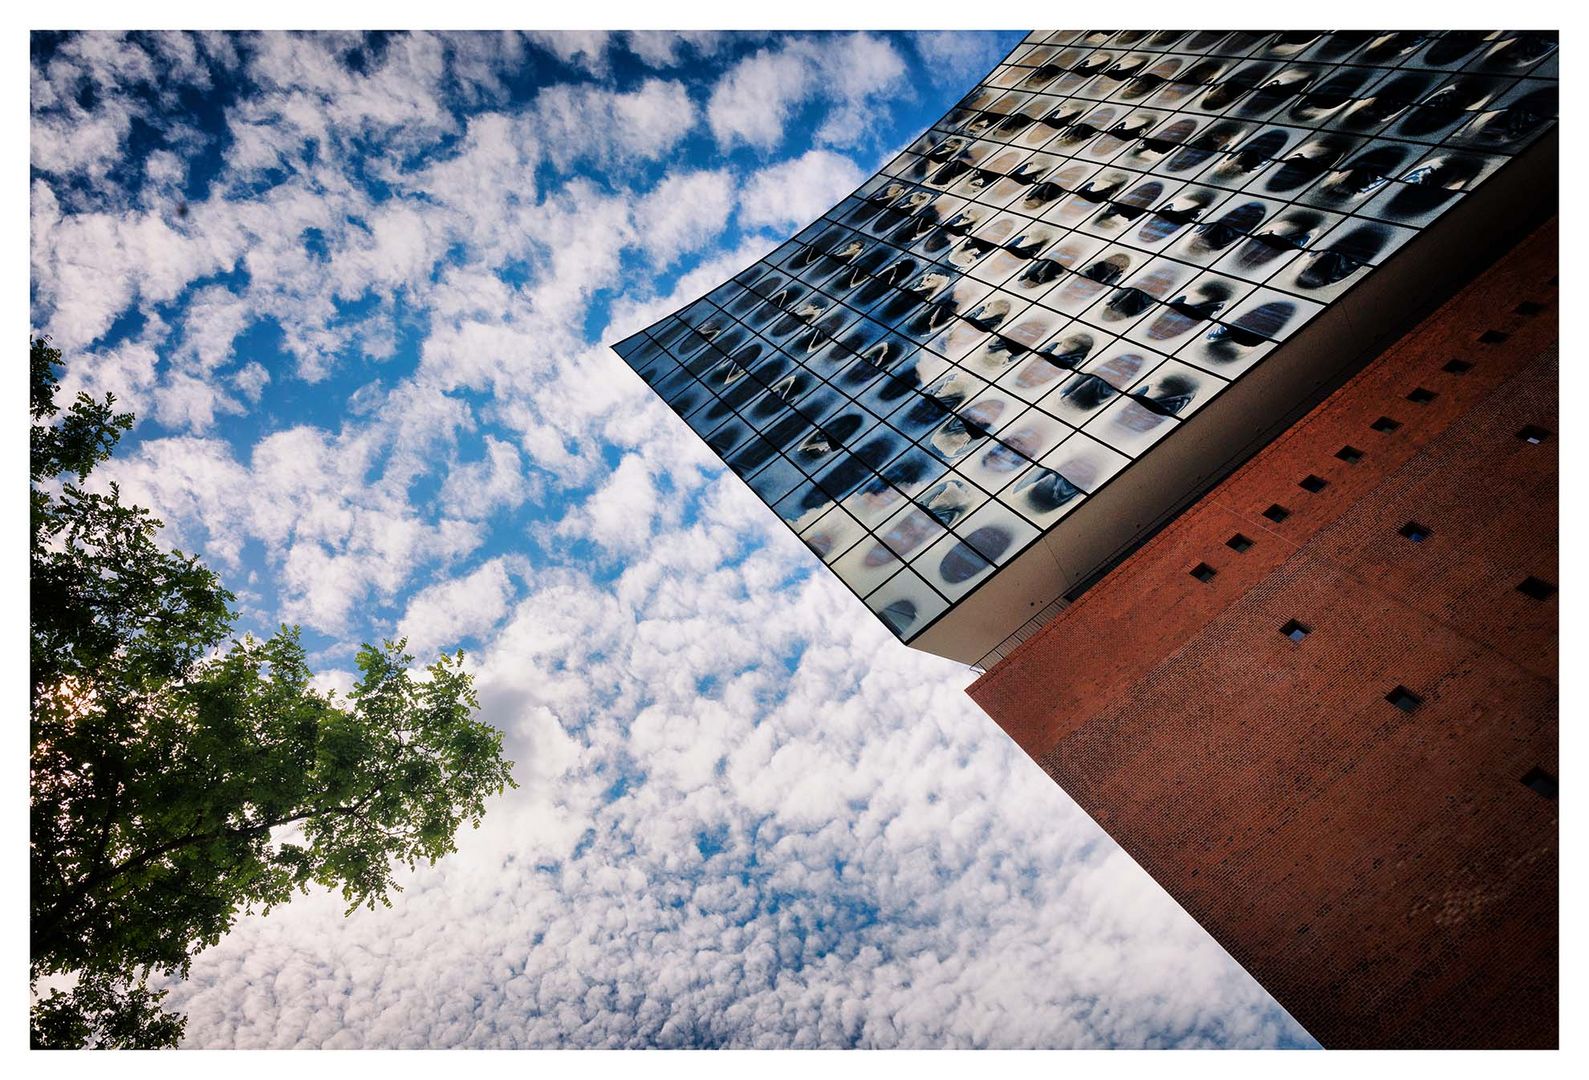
1108	230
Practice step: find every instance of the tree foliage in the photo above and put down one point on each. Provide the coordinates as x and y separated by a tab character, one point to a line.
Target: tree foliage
178	780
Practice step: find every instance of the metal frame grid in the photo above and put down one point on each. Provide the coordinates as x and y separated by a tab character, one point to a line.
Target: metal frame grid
1081	253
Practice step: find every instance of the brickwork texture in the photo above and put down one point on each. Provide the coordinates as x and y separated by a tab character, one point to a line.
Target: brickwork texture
1386	868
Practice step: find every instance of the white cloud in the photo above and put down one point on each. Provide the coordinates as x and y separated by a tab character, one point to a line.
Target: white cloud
583	49
184	402
753	101
441	616
497	481
398	247
861	71
683	213
251	380
91	266
621	514
957	57
747	815
791	193
846	855
84	100
584	122
337	539
666	48
309	92
854	73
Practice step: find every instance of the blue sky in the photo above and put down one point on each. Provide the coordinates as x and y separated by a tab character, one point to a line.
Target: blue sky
357	290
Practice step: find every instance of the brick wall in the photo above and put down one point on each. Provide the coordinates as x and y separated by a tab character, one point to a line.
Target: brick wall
1385	874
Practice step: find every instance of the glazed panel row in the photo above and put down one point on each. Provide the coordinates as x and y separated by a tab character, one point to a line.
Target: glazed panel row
1081	254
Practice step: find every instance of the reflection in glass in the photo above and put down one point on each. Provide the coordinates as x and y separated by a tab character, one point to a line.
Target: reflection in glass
1065	268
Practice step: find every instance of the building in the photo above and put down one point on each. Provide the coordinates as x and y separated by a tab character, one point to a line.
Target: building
1005	390
1320	706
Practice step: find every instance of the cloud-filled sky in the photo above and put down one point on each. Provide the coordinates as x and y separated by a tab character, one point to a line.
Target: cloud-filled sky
357	290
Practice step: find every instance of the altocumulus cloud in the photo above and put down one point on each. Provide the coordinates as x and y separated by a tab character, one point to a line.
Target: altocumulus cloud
356	288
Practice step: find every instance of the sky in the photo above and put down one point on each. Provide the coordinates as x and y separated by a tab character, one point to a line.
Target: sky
358	290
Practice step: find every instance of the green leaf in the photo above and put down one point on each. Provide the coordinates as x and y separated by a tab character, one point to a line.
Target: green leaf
179	778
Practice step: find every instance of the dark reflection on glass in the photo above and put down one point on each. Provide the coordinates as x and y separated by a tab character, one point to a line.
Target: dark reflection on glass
1344	257
1517	121
899	616
1432	183
1367	172
1168	396
1453	46
1067	352
1275	92
1329	94
1230	89
989	541
1524	49
1255	327
1388	100
1043	277
1215	139
962	563
1341	43
946	502
1086	391
1234	225
1308	162
1390	48
1287	233
1187	310
1045	491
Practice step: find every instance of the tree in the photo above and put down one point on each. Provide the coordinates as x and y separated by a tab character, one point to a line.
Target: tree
178	781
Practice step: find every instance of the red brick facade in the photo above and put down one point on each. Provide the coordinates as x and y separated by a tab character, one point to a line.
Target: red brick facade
1386	874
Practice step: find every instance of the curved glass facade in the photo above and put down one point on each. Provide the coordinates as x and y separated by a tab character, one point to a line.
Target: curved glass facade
1093	243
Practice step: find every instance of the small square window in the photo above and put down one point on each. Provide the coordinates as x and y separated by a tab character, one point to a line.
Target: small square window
1528	307
1492	337
1534	587
1404	699
1295	630
1313	483
1415	532
1385	424
1457	367
1238	543
1203	572
1349	454
1277	513
1422	396
1532	433
1541	781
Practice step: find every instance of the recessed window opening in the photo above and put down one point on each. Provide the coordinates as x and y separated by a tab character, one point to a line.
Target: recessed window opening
1528	307
1203	572
1415	532
1313	483
1277	513
1238	543
1422	396
1404	699
1532	433
1536	588
1541	781
1492	337
1385	424
1296	631
1349	454
1457	367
